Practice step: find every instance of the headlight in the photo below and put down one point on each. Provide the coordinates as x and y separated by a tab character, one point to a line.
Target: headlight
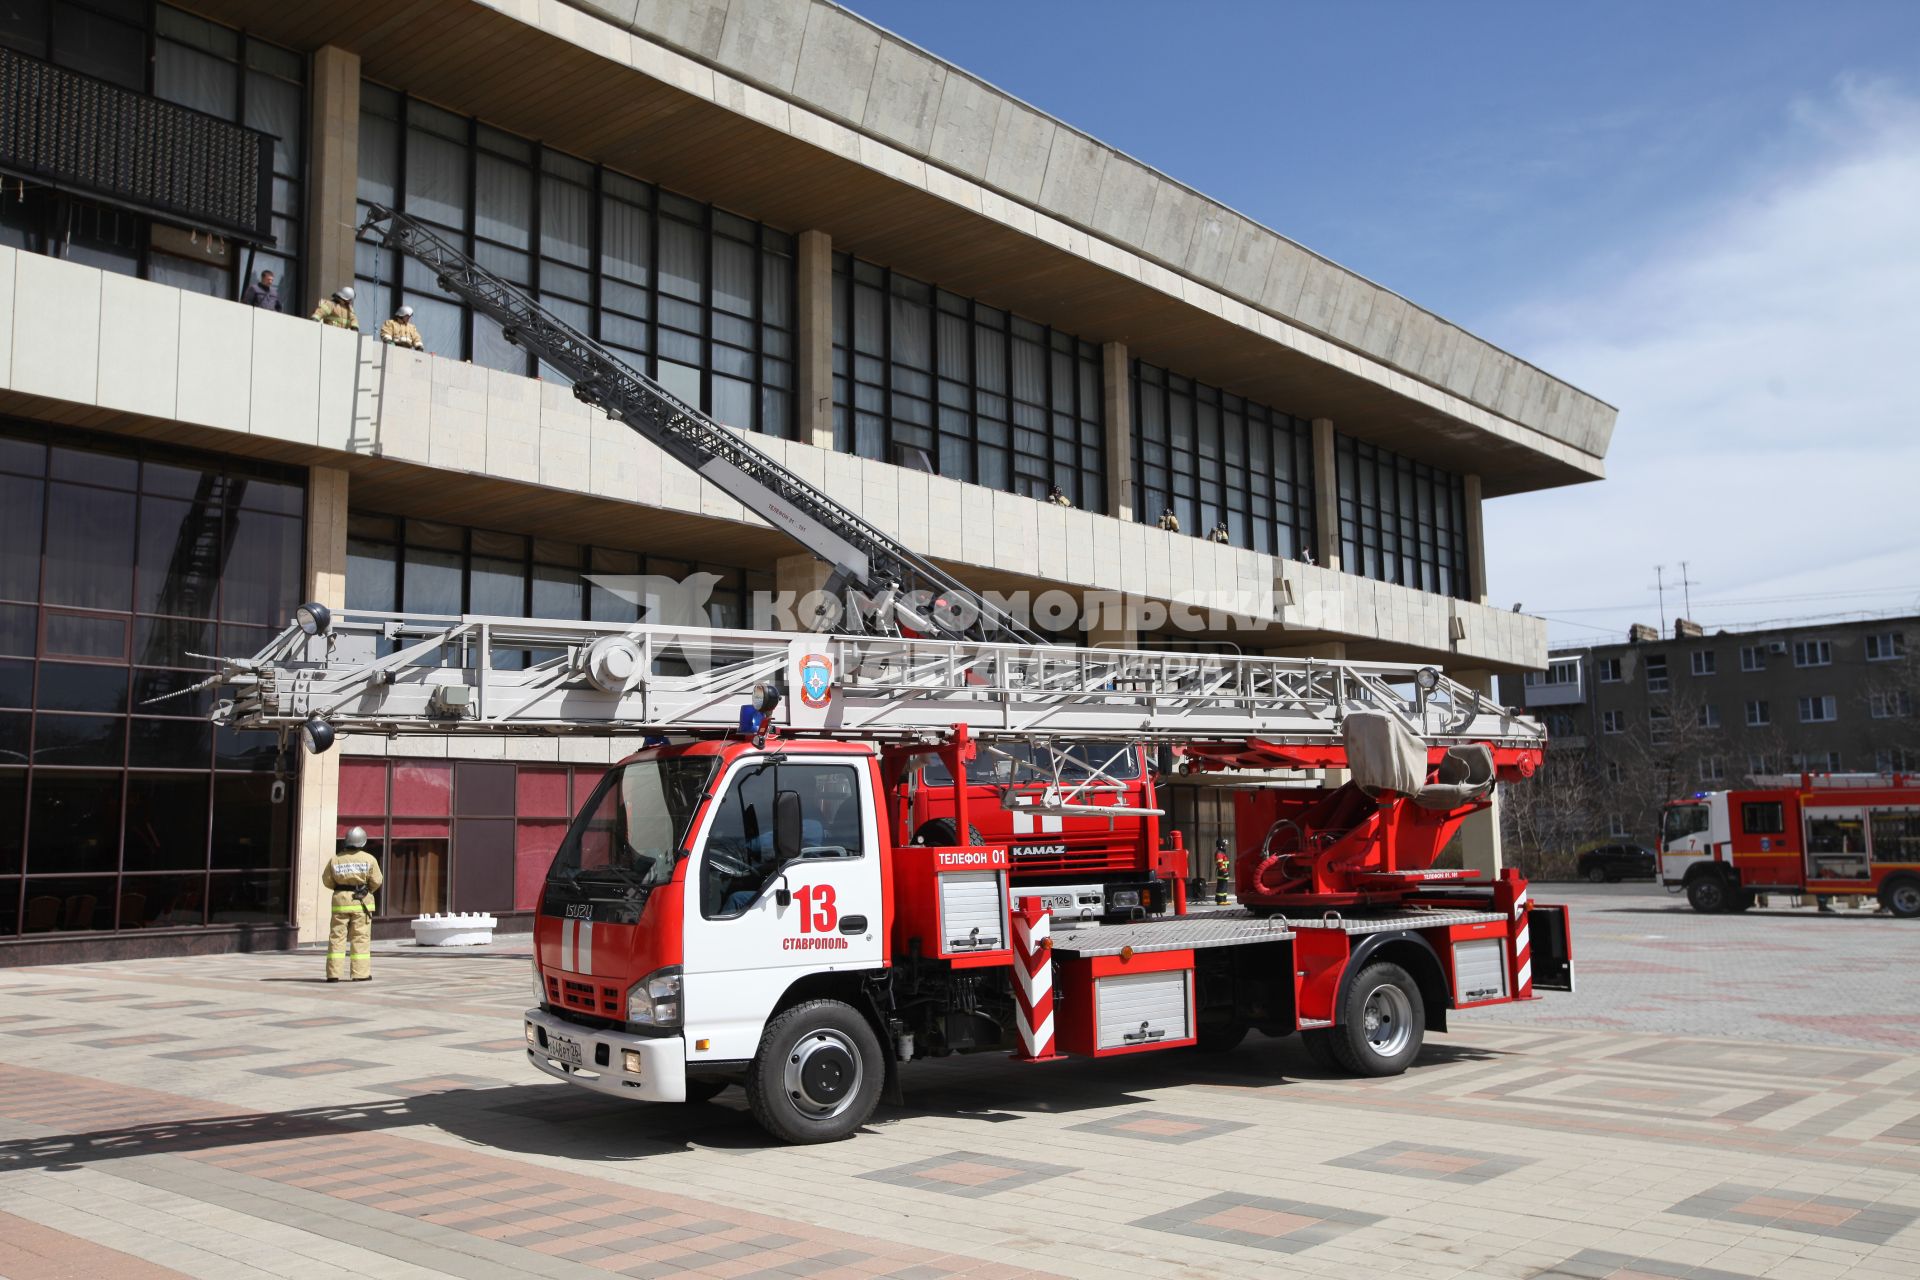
1126	897
539	984
655	999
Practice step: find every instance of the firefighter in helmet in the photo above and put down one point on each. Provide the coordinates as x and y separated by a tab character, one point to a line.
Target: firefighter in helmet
354	876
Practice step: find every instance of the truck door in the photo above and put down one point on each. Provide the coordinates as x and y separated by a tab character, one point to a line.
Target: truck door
744	947
1837	844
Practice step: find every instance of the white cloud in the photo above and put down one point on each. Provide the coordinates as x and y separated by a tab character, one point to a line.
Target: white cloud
1766	363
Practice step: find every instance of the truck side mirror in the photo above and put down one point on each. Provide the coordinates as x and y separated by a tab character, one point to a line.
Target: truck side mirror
786	827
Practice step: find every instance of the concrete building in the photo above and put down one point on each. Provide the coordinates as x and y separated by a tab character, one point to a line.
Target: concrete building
1661	717
913	288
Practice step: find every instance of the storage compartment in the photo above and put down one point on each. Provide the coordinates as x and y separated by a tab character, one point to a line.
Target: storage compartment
1125	1003
1479	971
973	912
1139	1009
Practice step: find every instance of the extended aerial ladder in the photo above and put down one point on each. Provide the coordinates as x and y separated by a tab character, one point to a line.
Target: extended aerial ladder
882	585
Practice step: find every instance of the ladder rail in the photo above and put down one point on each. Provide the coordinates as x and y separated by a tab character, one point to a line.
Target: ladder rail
859	553
694	679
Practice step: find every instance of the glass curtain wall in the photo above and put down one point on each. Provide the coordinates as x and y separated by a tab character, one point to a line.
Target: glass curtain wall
1401	521
926	378
116	564
194	63
1209	456
693	296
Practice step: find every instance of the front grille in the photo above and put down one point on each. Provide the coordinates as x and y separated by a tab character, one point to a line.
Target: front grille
588	997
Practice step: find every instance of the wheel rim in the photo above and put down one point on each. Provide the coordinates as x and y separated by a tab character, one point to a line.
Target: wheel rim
1596	875
1709	894
1906	899
823	1074
1388	1019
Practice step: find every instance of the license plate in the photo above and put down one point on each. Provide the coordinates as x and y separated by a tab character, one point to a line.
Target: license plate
564	1049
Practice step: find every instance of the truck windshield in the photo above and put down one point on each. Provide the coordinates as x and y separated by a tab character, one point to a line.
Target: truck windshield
633	823
1012	762
1683	820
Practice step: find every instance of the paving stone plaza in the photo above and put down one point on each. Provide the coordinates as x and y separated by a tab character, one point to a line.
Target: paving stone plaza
1725	1096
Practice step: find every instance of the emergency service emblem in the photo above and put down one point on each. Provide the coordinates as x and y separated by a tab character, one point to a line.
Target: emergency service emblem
816	681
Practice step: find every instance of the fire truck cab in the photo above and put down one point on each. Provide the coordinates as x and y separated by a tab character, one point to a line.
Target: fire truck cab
1826	835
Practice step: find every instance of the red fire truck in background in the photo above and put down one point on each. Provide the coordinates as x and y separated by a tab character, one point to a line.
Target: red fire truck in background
1825	835
1084	865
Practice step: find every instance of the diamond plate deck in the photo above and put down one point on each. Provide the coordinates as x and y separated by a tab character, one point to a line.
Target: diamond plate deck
1205	929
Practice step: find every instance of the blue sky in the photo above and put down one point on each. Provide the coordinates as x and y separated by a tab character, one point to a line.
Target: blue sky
1707	214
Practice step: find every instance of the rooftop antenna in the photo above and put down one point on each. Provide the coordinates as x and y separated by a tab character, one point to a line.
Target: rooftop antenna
1686	588
1660	586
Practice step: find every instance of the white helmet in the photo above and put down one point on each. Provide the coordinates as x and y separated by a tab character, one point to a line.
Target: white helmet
357	838
405	313
346	294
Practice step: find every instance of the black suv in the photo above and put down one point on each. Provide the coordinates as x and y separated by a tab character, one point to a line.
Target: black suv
1610	862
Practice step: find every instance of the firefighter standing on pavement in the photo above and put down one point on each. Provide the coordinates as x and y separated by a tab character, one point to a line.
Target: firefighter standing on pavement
354	876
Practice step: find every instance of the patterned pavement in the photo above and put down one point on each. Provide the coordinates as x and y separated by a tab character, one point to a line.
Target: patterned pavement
1725	1097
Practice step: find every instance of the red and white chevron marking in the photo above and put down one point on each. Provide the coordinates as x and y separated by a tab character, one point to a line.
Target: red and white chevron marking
1522	948
1033	980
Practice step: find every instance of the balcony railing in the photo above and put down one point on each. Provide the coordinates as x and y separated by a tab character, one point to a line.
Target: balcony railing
71	131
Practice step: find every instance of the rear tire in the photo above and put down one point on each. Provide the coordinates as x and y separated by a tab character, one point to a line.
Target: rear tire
818	1073
1709	894
1319	1046
1222	1037
1596	875
1382	1024
1901	897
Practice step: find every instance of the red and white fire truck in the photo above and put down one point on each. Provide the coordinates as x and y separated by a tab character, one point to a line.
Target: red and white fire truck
1821	835
743	900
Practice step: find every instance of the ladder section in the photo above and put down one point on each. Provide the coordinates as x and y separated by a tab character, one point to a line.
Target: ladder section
902	591
397	674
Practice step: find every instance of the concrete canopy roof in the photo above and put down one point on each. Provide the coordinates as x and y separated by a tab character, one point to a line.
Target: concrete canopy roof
801	114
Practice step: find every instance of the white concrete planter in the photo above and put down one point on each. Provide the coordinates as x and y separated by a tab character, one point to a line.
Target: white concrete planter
470	930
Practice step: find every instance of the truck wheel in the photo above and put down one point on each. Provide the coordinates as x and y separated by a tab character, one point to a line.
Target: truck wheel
1319	1047
1708	894
1901	897
705	1089
1596	875
943	833
818	1073
1220	1037
1383	1022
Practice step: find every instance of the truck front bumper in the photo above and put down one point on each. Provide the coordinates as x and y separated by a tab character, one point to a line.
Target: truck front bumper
607	1060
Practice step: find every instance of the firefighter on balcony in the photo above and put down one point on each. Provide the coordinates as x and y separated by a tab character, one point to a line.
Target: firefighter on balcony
338	310
399	330
1219	532
1169	521
354	876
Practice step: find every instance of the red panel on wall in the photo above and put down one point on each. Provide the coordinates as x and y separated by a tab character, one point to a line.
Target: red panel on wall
422	789
419	828
543	793
534	843
584	781
363	786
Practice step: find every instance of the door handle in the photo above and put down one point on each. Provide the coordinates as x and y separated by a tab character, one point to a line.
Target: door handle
853	924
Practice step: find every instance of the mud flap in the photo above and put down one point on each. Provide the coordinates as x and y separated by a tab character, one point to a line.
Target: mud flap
1552	947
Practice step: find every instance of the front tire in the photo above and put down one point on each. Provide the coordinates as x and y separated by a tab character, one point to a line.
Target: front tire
1708	894
1596	875
818	1074
1901	897
1383	1022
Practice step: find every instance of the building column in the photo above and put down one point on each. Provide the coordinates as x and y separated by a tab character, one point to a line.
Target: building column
1116	387
795	578
813	336
333	175
1476	541
319	806
1479	838
1326	495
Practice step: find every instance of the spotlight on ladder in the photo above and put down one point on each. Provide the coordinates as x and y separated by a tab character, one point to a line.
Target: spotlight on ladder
314	618
316	735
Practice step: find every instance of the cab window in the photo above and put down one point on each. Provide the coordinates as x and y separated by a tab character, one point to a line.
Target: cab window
1683	820
1763	818
740	862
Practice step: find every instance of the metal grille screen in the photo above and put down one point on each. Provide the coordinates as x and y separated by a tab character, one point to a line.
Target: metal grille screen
129	149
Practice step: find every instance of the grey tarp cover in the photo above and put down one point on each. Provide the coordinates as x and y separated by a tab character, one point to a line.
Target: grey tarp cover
1384	755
